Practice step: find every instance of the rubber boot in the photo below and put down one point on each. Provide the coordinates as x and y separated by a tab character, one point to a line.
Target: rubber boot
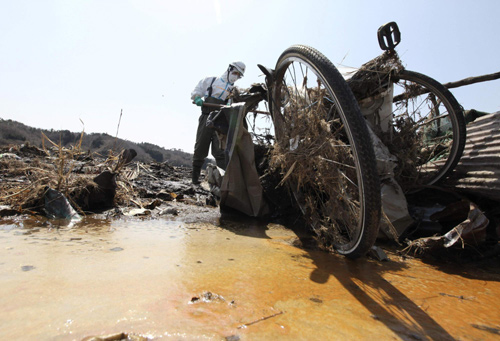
196	175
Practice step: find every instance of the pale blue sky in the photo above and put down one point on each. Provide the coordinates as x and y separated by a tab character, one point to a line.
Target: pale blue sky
66	60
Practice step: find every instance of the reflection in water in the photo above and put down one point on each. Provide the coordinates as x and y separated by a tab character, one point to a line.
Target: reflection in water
102	277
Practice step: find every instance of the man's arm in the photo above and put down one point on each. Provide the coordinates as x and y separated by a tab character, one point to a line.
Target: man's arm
201	88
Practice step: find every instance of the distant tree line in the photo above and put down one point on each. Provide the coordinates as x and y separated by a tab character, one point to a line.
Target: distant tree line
13	133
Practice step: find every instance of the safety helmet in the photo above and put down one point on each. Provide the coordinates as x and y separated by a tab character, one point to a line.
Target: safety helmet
239	66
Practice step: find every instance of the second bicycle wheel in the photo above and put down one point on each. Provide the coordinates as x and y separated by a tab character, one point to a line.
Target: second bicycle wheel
324	151
429	129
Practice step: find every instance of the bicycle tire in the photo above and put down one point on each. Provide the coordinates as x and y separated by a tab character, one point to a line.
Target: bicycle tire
440	146
329	162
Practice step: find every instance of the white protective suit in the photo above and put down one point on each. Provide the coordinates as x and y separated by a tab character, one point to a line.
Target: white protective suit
222	86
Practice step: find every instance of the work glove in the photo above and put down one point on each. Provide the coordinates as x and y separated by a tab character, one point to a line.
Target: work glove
198	101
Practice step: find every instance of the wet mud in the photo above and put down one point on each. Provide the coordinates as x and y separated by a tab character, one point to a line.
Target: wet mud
203	275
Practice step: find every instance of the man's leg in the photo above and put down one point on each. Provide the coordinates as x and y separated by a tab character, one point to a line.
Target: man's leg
203	138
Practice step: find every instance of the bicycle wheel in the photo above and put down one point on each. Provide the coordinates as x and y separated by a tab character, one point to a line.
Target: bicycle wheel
324	150
429	129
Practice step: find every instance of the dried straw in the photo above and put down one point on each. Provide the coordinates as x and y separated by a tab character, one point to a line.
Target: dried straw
312	160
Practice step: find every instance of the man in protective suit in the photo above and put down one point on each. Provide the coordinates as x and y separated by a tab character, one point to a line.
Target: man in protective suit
212	90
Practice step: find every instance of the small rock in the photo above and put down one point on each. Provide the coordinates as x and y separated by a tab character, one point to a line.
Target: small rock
170	210
316	300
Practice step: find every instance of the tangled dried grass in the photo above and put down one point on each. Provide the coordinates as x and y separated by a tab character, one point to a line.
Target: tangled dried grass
317	167
374	76
25	181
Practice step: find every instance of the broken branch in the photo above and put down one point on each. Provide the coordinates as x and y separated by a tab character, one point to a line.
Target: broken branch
259	320
472	80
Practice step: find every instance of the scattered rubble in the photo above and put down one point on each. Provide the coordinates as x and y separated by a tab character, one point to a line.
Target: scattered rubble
61	186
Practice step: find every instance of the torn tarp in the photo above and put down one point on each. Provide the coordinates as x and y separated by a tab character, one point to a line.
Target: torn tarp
241	188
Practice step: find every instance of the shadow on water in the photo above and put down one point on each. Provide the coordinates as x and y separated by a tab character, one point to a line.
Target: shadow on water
472	262
362	278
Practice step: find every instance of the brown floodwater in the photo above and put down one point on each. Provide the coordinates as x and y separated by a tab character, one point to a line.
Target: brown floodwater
200	276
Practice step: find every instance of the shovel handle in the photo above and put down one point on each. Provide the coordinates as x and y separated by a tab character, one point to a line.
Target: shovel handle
214	105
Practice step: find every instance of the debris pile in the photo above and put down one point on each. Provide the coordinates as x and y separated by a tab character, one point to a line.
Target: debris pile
66	184
421	218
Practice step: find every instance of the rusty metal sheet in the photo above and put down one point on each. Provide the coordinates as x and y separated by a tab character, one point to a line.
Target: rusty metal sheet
478	171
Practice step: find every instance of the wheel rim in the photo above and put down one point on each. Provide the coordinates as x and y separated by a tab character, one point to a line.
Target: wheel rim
315	151
425	130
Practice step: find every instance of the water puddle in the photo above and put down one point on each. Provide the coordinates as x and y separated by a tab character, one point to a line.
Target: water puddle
218	278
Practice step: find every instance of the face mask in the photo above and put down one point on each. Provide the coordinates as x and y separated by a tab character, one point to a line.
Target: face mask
233	78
